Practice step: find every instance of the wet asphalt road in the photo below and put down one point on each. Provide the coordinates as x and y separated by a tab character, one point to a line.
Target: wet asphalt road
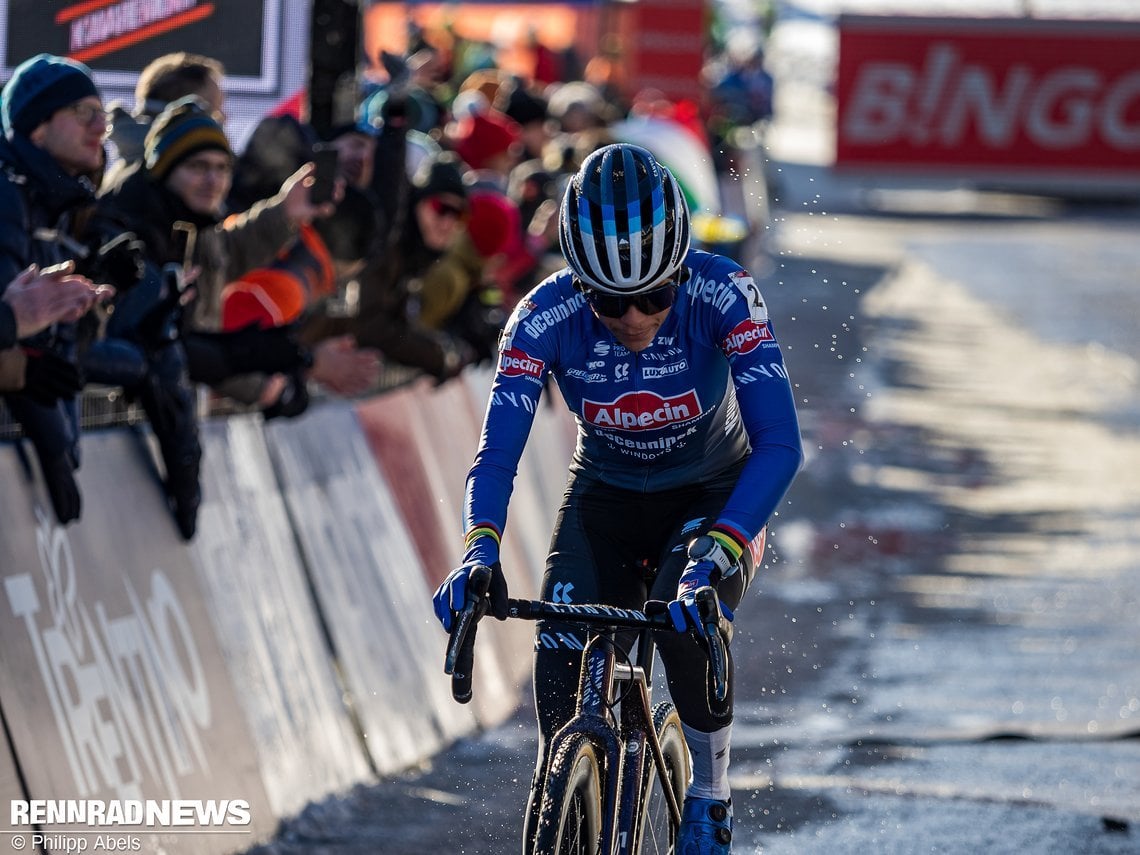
941	655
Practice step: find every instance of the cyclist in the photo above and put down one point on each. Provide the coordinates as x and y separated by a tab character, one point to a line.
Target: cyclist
676	469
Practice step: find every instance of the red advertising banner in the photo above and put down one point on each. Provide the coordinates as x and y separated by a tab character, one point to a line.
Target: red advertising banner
995	96
666	47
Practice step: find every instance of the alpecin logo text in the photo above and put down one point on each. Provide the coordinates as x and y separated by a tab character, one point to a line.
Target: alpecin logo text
642	411
516	363
746	337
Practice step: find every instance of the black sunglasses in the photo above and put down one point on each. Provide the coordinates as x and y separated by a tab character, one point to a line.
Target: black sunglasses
648	303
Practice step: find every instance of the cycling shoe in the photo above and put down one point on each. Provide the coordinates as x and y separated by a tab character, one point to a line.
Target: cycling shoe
706	827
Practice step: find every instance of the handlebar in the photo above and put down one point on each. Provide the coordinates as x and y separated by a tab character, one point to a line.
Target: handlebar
460	656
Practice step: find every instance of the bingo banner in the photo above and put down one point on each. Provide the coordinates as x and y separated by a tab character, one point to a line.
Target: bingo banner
999	97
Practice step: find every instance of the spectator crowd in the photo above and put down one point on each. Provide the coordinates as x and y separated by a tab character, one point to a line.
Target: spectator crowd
139	251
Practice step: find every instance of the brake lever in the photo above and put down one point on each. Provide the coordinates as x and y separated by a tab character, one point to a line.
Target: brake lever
717	635
459	661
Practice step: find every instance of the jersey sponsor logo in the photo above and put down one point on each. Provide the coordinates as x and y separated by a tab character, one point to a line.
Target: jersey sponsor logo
722	296
645	449
544	320
621	371
746	337
636	411
602	348
661	355
771	371
585	376
651	372
516	363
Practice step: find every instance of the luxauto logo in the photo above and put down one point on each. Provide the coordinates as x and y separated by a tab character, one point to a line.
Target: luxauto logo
642	411
746	337
95	29
516	363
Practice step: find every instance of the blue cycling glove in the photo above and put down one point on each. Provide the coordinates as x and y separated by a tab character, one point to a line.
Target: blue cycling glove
709	562
451	596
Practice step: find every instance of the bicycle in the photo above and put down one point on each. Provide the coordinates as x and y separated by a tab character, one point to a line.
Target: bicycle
618	769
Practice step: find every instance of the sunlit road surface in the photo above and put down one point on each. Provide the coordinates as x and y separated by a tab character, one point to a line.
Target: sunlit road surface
942	654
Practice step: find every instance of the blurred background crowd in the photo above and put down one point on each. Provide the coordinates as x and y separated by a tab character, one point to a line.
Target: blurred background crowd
152	270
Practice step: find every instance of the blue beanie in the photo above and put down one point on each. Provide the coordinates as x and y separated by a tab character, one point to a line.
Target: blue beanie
39	87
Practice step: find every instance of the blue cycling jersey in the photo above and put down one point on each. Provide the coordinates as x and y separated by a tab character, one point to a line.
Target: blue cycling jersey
651	420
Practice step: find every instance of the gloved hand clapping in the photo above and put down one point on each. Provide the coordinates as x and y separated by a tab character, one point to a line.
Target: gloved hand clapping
120	261
709	562
451	596
49	377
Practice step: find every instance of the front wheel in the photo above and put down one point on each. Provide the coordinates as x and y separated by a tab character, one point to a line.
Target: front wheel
570	819
658	833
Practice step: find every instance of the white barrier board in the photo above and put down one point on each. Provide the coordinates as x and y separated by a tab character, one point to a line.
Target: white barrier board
267	621
370	585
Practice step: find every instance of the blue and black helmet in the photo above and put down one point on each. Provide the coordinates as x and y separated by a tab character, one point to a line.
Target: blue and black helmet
624	221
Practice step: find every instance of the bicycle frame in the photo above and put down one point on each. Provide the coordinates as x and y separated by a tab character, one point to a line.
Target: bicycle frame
622	739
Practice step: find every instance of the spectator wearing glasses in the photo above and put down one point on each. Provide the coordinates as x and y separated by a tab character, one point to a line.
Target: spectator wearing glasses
185	177
687	442
51	153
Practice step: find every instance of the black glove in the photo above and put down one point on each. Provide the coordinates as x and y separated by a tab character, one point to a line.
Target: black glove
59	476
49	377
121	262
293	401
163	323
250	350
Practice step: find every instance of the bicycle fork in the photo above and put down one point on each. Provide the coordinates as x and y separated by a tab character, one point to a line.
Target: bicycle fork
625	754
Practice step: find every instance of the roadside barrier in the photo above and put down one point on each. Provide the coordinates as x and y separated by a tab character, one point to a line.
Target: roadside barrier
254	581
286	653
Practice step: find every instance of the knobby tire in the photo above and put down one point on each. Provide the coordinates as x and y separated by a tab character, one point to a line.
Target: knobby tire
570	820
658	834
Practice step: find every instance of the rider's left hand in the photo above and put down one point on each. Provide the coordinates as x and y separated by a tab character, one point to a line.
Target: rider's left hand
683	610
708	564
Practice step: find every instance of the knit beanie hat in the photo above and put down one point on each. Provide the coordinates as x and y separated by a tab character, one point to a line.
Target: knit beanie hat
183	129
523	105
440	174
494	224
39	87
479	137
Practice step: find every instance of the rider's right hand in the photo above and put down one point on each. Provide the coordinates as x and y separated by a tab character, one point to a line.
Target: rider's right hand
451	596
